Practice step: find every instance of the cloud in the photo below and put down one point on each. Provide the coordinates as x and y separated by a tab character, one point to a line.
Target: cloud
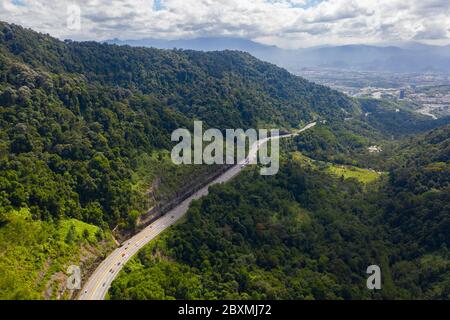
335	10
431	30
288	23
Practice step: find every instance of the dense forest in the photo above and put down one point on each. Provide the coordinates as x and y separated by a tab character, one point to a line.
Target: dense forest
76	116
309	234
85	132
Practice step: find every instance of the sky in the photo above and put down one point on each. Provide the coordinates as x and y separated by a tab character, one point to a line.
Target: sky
285	23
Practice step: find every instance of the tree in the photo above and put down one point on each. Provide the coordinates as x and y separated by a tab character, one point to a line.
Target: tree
71	235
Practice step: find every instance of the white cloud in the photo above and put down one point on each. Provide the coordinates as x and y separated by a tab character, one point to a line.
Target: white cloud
288	23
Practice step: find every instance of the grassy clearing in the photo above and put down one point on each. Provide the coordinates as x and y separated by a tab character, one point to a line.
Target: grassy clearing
303	160
362	175
80	229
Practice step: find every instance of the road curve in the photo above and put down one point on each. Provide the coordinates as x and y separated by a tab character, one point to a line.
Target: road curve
98	284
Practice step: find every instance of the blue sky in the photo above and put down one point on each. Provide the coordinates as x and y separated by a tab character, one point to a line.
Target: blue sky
286	23
18	2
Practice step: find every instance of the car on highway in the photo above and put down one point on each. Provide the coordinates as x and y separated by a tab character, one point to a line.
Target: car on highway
247	161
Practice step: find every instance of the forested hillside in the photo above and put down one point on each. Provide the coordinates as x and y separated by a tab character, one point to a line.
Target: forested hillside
226	89
75	117
85	129
308	234
85	133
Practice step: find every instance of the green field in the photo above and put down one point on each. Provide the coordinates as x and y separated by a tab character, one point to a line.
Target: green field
348	172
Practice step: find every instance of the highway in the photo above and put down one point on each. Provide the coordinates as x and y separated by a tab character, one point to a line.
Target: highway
99	282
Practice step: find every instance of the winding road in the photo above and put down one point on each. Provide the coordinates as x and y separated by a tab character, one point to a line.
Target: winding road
99	282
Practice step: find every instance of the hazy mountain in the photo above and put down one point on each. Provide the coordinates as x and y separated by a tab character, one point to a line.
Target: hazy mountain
202	44
402	57
420	58
417	46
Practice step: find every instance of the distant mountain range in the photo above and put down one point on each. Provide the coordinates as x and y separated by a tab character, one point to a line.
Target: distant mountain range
403	57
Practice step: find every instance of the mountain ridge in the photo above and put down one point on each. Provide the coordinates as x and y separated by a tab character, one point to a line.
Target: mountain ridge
403	57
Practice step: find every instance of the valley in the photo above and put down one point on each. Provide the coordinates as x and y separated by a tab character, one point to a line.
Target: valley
85	141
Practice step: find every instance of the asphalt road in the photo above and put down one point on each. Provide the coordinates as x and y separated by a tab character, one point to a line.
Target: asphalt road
98	284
